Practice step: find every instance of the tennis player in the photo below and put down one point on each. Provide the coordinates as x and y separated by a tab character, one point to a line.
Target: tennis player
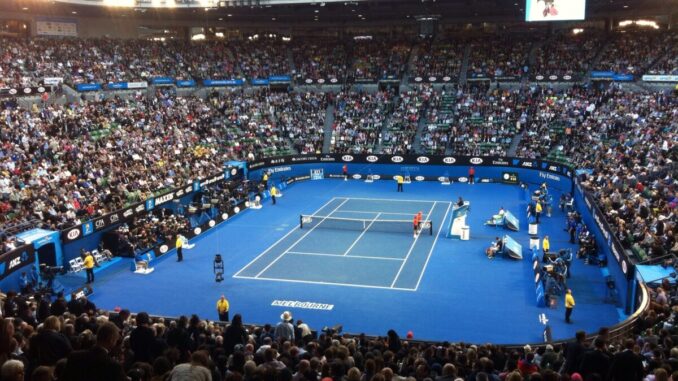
415	223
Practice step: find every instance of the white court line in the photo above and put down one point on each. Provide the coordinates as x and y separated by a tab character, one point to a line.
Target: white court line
440	228
343	256
412	247
365	212
300	239
327	283
362	234
282	238
397	200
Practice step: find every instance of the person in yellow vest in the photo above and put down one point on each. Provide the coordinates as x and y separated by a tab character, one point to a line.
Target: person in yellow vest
400	180
222	308
537	211
569	305
546	246
88	263
179	244
264	179
274	192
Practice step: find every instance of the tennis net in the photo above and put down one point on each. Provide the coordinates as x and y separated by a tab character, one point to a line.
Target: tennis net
389	226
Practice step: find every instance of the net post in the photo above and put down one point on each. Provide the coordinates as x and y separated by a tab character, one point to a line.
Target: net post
301	221
430	227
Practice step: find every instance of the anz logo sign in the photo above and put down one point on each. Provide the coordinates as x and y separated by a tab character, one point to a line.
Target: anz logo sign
18	260
347	158
397	159
372	158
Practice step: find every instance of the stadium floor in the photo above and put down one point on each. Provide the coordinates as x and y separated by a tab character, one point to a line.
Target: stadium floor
439	288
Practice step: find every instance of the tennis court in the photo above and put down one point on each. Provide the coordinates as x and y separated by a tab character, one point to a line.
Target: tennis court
358	242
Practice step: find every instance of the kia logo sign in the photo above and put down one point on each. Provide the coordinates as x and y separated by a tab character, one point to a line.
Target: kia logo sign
540	78
372	158
476	160
442	179
197	231
236	210
463	179
321	81
447	78
418	79
41	89
625	268
12	91
234	172
432	79
423	159
347	158
334	80
553	77
419	178
449	160
397	159
224	216
27	90
567	77
211	223
357	176
163	249
73	233
99	224
309	80
376	177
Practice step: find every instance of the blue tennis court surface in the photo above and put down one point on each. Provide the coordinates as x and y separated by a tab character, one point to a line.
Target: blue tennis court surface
369	280
383	256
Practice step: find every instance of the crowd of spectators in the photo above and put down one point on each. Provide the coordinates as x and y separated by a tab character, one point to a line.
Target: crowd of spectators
374	59
567	54
499	55
667	64
358	121
62	165
302	117
439	59
72	340
626	142
206	59
633	52
486	122
320	59
398	136
262	57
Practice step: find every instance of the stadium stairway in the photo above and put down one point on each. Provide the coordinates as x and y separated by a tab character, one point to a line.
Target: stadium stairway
421	126
327	129
290	61
405	81
387	122
464	64
514	144
596	59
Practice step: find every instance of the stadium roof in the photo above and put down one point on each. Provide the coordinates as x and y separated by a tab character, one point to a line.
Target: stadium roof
329	11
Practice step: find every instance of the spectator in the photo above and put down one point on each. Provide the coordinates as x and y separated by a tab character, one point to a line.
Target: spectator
284	330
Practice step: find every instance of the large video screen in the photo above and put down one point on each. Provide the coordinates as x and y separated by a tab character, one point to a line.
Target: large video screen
555	10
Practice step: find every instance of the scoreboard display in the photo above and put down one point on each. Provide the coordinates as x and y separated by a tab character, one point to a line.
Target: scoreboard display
555	10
